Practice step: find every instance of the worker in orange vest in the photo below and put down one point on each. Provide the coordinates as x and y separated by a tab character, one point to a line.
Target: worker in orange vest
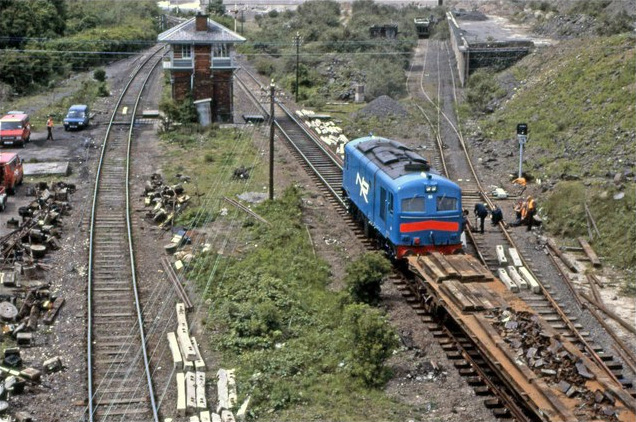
531	209
49	129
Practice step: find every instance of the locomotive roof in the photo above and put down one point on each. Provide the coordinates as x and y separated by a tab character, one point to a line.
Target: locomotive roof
393	158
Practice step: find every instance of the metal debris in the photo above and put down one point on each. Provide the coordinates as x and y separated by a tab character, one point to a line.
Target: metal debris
166	200
546	356
39	229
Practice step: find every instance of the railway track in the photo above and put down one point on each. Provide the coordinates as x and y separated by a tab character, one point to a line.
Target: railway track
321	164
480	372
119	378
489	245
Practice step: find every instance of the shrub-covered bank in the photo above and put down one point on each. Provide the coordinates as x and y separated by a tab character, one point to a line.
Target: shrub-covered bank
301	351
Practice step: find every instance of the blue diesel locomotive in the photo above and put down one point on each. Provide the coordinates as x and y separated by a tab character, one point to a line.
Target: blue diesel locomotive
400	201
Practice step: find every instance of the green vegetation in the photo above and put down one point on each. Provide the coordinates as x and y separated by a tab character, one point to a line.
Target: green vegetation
579	106
614	218
365	276
337	50
45	40
482	88
300	350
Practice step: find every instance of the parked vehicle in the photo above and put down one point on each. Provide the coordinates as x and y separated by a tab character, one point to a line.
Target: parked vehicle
15	129
77	117
3	198
11	171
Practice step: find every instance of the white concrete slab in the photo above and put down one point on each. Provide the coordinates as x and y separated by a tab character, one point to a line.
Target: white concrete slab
45	169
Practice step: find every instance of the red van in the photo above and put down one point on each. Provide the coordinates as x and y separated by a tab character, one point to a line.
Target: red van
15	129
11	171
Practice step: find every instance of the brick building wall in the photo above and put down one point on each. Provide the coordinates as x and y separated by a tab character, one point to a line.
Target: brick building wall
202	73
216	85
181	85
222	103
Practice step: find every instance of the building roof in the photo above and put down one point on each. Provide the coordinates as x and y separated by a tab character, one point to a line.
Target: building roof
186	33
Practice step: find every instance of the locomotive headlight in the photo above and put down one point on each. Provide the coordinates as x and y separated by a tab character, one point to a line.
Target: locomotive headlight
430	189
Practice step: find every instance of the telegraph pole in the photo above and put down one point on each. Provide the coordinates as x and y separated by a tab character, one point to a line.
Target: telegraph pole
297	41
272	87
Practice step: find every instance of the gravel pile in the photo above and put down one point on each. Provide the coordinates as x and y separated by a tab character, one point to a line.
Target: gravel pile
381	107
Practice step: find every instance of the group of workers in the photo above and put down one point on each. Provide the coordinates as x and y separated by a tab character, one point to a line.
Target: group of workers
524	212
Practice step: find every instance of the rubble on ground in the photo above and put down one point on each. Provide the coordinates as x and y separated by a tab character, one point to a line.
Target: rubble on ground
547	357
166	200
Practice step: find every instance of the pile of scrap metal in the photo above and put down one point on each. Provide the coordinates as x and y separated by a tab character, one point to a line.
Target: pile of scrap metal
166	201
40	227
19	317
21	312
547	357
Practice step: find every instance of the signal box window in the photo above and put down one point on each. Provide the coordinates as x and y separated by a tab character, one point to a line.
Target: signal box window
446	203
414	205
220	50
182	51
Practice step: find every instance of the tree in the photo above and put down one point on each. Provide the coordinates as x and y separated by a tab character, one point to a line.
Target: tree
372	341
365	276
216	8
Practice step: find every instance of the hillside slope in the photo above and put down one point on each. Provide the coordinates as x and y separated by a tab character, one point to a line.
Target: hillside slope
578	99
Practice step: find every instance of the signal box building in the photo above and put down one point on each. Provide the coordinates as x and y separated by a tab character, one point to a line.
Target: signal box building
200	62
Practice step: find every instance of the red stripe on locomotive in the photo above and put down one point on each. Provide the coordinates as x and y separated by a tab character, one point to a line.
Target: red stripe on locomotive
447	226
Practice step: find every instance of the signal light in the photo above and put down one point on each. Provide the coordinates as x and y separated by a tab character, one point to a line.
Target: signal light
522	129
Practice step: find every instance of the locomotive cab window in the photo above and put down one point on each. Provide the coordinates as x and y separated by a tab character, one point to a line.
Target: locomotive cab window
446	203
416	204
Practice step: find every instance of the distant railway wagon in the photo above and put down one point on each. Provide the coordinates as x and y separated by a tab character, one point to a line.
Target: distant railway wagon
399	199
423	27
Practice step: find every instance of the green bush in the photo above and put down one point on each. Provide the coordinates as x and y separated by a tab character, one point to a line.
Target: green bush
372	341
103	90
365	277
482	88
99	75
183	112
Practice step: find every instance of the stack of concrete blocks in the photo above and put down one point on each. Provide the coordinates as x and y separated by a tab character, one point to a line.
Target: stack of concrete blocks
226	390
190	378
515	277
328	132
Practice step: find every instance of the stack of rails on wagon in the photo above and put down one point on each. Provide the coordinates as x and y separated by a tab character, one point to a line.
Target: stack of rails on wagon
399	199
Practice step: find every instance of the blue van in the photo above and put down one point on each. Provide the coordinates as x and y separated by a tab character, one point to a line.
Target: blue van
77	117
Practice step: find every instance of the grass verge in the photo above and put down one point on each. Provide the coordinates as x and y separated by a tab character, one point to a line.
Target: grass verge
301	351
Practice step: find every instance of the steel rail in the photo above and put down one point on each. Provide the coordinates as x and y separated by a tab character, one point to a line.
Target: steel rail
570	325
96	192
131	250
546	294
312	141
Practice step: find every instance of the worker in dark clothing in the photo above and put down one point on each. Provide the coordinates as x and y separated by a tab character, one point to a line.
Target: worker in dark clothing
496	215
465	222
481	212
49	129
